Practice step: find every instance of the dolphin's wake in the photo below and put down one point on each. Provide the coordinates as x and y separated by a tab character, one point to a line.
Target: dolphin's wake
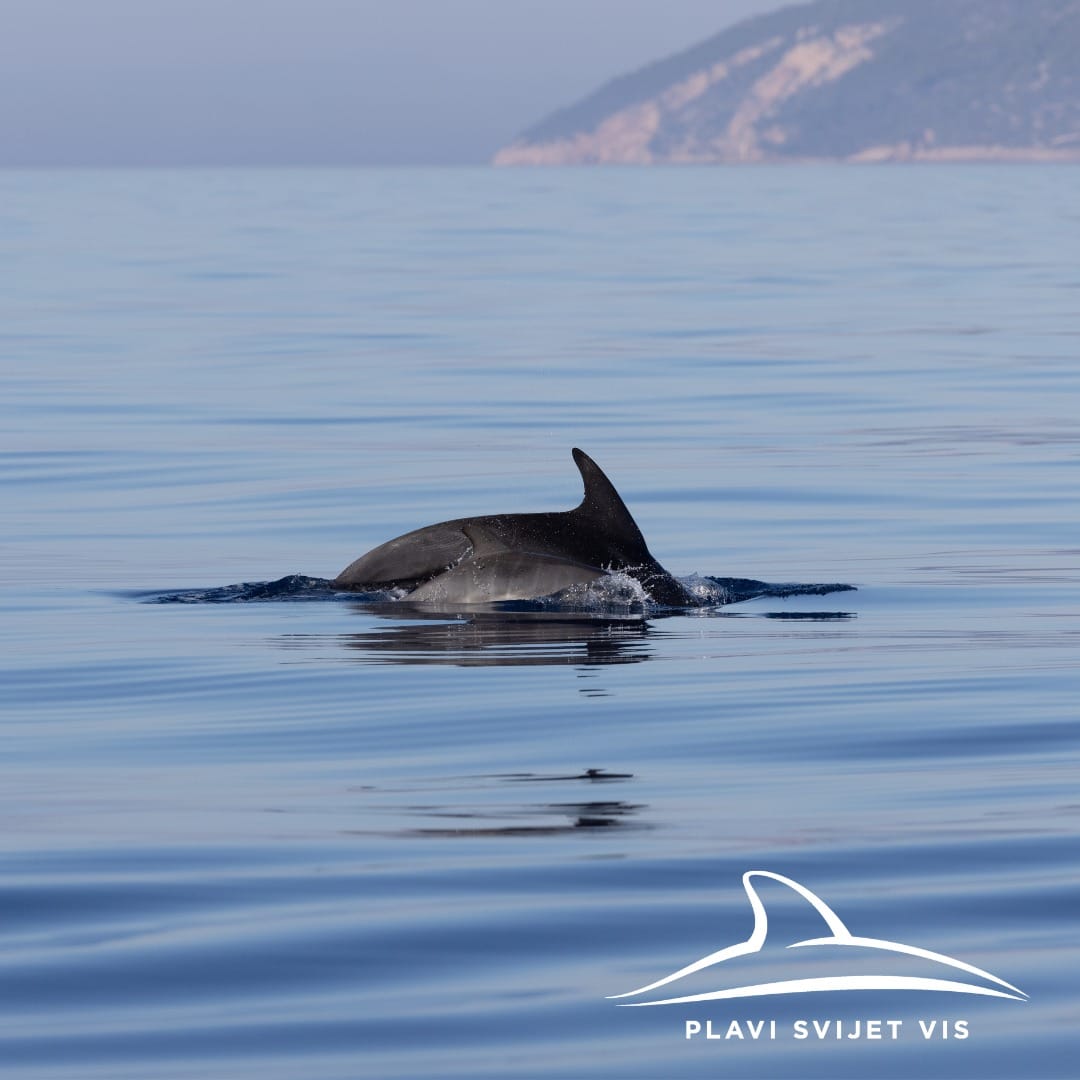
610	592
290	587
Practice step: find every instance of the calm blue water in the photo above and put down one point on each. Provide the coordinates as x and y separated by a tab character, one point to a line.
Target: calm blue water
328	840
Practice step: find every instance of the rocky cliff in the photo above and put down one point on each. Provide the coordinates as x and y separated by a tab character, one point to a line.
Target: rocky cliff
848	80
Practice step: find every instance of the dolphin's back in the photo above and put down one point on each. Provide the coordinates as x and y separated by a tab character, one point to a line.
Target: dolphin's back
408	559
415	557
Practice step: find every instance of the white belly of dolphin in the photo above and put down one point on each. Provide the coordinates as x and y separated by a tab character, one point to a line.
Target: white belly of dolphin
508	575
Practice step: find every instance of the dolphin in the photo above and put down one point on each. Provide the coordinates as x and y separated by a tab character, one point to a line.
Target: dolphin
838	935
519	556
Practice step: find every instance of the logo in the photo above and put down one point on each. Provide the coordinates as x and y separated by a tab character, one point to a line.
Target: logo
839	936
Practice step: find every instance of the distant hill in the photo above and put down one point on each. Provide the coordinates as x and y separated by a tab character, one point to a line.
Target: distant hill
848	80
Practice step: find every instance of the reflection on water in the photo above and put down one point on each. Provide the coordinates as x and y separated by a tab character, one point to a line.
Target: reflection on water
587	815
508	638
496	639
473	807
595	775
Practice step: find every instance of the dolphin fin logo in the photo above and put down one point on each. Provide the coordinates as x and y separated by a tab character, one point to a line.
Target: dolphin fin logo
838	935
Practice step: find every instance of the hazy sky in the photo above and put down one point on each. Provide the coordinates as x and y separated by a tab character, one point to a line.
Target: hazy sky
185	82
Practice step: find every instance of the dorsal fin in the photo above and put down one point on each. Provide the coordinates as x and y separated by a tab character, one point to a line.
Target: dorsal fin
483	542
604	504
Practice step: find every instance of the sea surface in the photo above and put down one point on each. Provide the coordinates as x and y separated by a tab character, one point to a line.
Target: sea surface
310	836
